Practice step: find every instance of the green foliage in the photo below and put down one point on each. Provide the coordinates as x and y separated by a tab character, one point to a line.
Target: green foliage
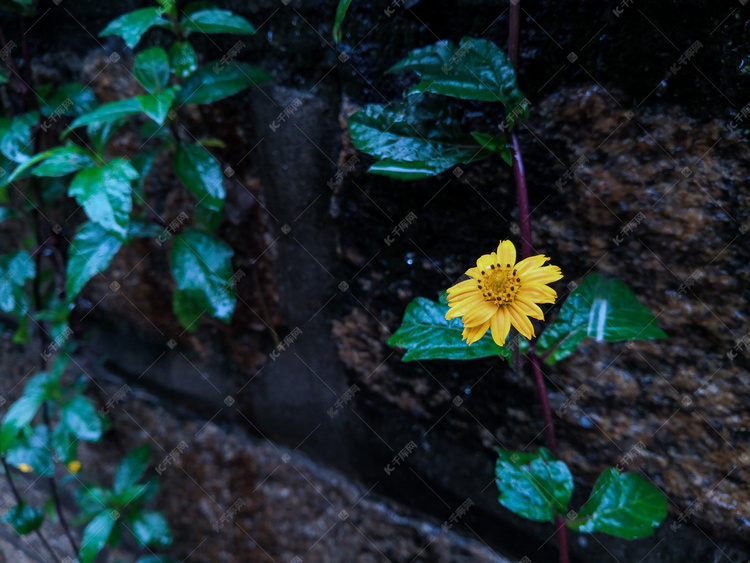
539	487
218	80
535	486
24	518
15	270
46	424
183	60
420	137
475	70
214	20
338	22
600	308
202	268
104	193
622	505
91	251
151	69
428	335
133	25
201	173
413	140
109	508
96	534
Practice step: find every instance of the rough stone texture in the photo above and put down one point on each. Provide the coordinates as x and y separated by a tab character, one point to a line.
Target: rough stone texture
655	142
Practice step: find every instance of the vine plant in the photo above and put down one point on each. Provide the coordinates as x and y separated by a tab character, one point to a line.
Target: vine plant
418	137
47	161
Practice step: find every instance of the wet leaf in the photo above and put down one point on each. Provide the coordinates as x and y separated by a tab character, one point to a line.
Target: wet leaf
427	335
600	308
105	194
132	468
96	534
412	140
536	486
338	22
182	59
24	518
201	265
151	69
201	173
215	20
133	25
91	251
622	505
475	70
218	80
150	528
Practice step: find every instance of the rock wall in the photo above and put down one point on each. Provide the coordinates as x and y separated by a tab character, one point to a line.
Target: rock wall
657	141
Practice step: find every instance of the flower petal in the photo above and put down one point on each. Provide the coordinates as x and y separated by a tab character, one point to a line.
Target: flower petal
463	306
500	326
528	307
506	253
466	286
538	293
545	274
474	333
531	263
521	322
480	314
486	260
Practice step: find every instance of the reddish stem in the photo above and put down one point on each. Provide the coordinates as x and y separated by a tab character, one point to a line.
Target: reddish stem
526	250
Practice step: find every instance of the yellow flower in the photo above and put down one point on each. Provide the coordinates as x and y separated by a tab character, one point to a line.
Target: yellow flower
502	293
74	466
25	467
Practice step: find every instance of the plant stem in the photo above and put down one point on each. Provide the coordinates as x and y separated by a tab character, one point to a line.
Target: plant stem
19	500
526	250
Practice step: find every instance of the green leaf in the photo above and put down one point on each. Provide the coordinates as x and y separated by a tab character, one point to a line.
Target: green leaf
217	21
21	413
15	270
62	161
31	447
24	518
536	486
93	500
151	69
133	25
201	173
100	132
81	417
219	80
64	443
498	144
156	106
201	266
182	59
131	468
71	99
622	505
340	15
428	335
96	534
105	194
4	75
91	251
412	140
23	7
108	112
150	528
15	136
476	70
600	308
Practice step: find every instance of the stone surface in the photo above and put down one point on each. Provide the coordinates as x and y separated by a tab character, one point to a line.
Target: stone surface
653	145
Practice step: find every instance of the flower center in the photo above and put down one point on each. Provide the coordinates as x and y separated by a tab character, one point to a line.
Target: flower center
499	284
